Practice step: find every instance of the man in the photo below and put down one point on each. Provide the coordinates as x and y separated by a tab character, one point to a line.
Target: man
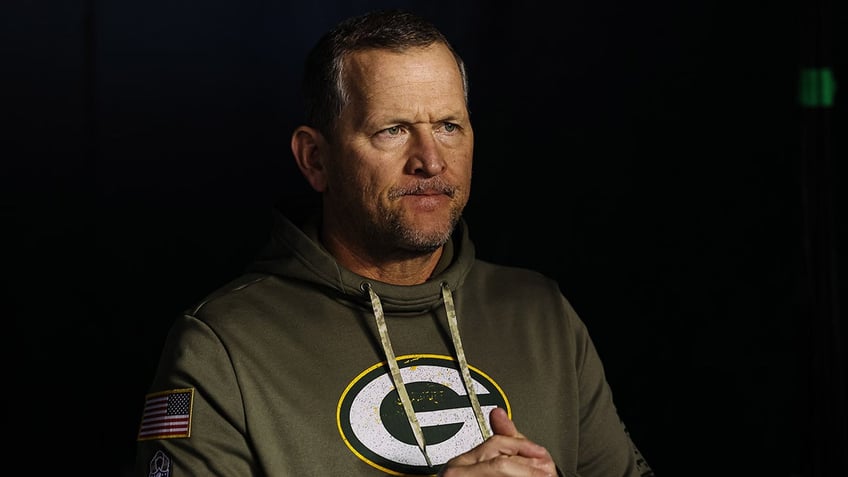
368	340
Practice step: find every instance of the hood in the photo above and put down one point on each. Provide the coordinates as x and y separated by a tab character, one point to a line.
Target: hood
294	252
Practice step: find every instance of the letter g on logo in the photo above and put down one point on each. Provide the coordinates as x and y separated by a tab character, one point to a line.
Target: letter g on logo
374	426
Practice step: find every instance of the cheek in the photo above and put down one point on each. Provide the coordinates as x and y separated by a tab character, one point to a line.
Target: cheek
462	154
462	166
362	182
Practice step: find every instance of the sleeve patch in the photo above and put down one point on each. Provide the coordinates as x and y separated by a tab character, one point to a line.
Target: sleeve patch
167	415
160	465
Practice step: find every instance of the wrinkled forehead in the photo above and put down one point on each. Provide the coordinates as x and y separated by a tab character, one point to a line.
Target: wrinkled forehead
383	71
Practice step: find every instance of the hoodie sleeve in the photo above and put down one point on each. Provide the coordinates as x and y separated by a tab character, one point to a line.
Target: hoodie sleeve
605	446
196	365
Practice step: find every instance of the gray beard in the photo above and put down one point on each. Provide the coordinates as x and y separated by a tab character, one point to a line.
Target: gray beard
394	234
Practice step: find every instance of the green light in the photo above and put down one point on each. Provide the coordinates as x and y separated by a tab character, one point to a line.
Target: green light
816	88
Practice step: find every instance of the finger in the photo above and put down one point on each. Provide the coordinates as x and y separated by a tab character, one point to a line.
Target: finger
519	466
500	446
516	446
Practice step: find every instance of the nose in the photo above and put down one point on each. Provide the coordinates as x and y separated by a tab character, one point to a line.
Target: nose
425	156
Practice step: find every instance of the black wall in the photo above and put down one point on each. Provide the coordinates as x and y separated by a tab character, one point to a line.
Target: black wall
653	158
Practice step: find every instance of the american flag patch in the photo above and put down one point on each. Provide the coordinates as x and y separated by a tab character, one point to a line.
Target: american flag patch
167	415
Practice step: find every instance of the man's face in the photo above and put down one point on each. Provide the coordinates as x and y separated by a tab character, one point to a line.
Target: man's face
400	171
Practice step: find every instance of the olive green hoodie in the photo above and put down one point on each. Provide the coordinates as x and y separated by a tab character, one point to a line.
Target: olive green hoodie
283	372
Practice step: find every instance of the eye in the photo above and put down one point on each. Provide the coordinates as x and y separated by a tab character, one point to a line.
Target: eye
450	127
392	135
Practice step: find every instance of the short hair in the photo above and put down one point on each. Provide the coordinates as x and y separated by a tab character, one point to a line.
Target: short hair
323	88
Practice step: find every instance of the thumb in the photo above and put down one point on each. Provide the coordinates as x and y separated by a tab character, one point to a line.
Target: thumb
502	424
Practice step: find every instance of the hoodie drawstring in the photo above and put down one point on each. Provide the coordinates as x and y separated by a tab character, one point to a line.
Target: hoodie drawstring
463	364
397	379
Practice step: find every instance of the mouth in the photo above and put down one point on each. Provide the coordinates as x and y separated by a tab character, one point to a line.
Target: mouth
432	192
426	202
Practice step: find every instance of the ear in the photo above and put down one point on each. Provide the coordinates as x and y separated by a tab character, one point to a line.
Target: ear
310	149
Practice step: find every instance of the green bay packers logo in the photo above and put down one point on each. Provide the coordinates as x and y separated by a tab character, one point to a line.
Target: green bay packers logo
374	426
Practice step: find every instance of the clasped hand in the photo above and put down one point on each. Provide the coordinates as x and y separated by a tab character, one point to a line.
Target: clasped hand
507	453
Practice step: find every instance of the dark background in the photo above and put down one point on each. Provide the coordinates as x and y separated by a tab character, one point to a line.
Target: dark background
653	157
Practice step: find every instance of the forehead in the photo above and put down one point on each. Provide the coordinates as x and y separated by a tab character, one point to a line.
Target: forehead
378	72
